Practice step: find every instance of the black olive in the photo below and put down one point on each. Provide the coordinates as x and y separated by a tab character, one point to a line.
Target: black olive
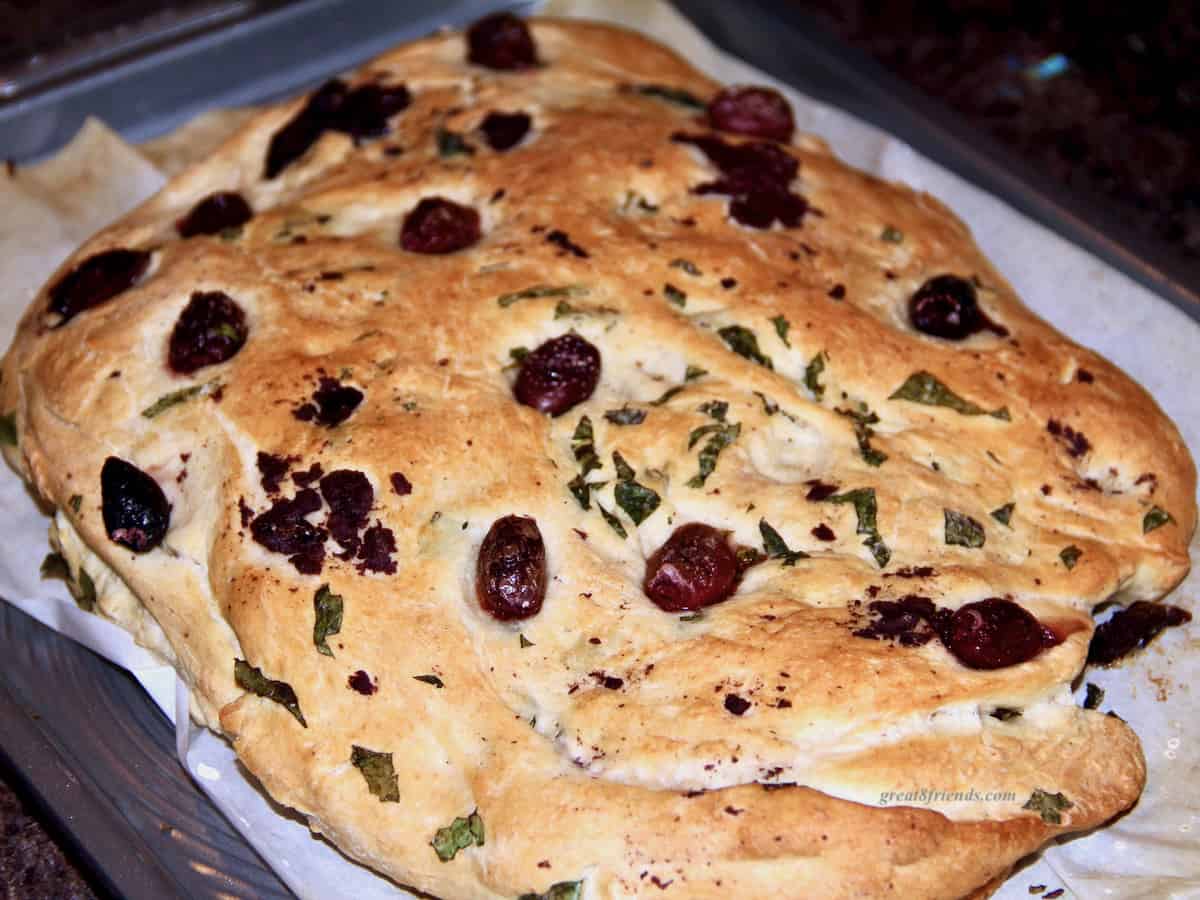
136	512
510	573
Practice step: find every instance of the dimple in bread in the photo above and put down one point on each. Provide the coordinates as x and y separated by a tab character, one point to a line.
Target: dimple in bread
554	478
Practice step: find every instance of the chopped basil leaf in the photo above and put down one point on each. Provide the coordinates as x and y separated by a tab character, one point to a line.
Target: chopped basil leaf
674	294
667	395
539	291
963	531
451	143
1005	713
748	556
812	375
1156	518
518	354
8	429
378	771
687	265
458	835
166	401
714	408
678	96
770	407
328	609
1070	555
782	326
75	502
697	616
1003	515
584	447
926	389
524	641
634	200
776	547
562	890
638	501
55	566
866	508
722	437
250	678
1095	696
613	522
626	415
582	490
891	235
564	309
694	372
86	598
1049	806
430	679
231	234
863	419
744	342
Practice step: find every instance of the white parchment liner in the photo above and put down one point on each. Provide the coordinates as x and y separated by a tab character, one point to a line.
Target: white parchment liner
1150	853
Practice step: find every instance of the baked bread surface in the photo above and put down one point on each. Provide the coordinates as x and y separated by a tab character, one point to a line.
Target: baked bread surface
596	741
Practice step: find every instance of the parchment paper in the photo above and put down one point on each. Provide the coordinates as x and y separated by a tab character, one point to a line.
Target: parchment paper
1150	853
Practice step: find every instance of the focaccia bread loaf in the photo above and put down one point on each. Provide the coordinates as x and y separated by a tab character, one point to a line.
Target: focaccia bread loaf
556	478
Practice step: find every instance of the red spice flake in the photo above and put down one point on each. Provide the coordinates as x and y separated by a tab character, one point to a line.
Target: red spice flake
362	682
563	240
838	292
1077	445
401	485
1085	376
819	490
736	705
824	533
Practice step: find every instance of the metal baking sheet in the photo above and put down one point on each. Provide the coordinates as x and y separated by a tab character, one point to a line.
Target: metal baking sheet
77	734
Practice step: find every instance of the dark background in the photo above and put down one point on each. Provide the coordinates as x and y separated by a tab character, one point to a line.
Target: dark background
1102	97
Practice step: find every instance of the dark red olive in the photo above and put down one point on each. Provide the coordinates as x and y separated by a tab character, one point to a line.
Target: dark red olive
366	109
760	112
501	41
293	140
332	403
211	329
284	529
510	574
215	213
994	633
438	225
947	307
350	497
695	568
558	374
96	280
1133	628
136	512
756	176
505	130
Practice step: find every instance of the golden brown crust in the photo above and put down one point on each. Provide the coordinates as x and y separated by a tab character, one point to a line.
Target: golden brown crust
650	784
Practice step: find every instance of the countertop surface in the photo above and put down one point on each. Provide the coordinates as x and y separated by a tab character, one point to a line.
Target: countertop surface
1099	96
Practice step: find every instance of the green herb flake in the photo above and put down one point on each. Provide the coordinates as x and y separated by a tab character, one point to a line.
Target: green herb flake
430	679
782	326
667	395
1003	515
714	408
378	771
166	401
1156	518
327	608
891	235
517	355
963	531
75	503
776	547
812	375
694	372
638	501
584	447
613	522
1095	696
1049	806
250	678
866	508
451	143
562	890
687	266
926	389
633	200
524	641
722	437
582	490
55	566
86	595
863	419
460	834
8	429
1070	556
231	234
626	415
770	407
678	96
675	295
744	342
538	291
